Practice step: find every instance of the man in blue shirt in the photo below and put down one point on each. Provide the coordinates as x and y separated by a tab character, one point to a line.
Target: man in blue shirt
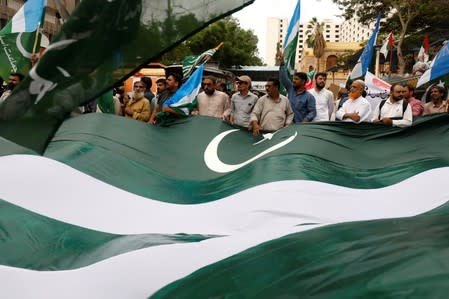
302	102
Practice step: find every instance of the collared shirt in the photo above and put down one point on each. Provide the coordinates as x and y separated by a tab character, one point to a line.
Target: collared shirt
394	110
417	106
213	105
140	108
430	108
164	96
241	108
303	104
360	105
271	114
324	104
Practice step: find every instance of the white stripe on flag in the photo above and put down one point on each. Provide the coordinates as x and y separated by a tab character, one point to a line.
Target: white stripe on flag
28	17
90	203
294	25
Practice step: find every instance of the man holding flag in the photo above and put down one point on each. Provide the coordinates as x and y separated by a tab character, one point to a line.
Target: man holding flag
302	102
18	39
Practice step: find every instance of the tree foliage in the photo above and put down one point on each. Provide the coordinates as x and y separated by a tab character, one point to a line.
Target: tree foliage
240	45
402	16
315	39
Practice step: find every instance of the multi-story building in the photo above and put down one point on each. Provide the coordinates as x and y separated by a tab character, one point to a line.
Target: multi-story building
353	31
277	30
52	17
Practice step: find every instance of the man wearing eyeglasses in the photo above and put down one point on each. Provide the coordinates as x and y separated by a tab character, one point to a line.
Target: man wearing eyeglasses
242	103
356	109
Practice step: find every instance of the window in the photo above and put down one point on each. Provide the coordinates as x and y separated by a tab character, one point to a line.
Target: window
328	36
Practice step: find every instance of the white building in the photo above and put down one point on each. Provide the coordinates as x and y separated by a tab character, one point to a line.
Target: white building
277	30
353	31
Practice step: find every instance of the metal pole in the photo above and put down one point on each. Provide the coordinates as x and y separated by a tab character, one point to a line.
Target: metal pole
377	68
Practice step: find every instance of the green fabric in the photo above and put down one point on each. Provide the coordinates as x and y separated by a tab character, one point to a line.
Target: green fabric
29	240
106	103
101	43
398	258
12	60
156	159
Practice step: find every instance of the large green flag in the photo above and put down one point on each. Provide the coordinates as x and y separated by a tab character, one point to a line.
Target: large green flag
324	210
15	53
18	37
101	43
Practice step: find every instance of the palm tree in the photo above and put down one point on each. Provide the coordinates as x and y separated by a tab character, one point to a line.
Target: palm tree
315	39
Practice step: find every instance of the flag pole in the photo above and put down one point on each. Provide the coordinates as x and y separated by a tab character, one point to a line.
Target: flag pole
35	39
218	47
391	61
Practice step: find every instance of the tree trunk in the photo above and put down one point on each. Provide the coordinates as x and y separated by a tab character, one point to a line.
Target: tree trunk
405	21
401	60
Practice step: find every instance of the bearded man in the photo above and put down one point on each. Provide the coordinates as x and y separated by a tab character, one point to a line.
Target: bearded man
395	111
356	109
211	102
324	99
138	107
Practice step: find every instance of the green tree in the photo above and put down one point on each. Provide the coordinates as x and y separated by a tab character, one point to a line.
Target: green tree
405	12
240	46
315	39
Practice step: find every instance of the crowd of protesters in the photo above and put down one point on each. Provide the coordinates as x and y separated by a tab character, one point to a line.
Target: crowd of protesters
272	111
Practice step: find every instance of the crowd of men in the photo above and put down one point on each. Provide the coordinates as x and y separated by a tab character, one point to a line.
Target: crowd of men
273	110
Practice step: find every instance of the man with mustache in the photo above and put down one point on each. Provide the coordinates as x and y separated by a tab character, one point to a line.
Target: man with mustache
13	80
438	104
138	107
211	102
395	111
302	102
356	109
324	99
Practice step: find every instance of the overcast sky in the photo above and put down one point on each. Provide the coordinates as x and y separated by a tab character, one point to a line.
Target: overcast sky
255	16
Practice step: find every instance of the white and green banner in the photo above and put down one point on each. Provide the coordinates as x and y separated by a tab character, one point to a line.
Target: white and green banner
318	210
291	40
18	37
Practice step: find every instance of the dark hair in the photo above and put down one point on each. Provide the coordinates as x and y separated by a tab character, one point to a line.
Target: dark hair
212	78
161	80
440	88
393	86
148	82
322	74
21	76
275	81
177	77
410	87
301	75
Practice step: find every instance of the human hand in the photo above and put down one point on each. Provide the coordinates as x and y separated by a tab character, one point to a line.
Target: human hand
256	129
387	121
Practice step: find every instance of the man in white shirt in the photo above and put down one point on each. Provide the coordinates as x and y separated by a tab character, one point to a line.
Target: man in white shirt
324	99
211	102
394	111
356	109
